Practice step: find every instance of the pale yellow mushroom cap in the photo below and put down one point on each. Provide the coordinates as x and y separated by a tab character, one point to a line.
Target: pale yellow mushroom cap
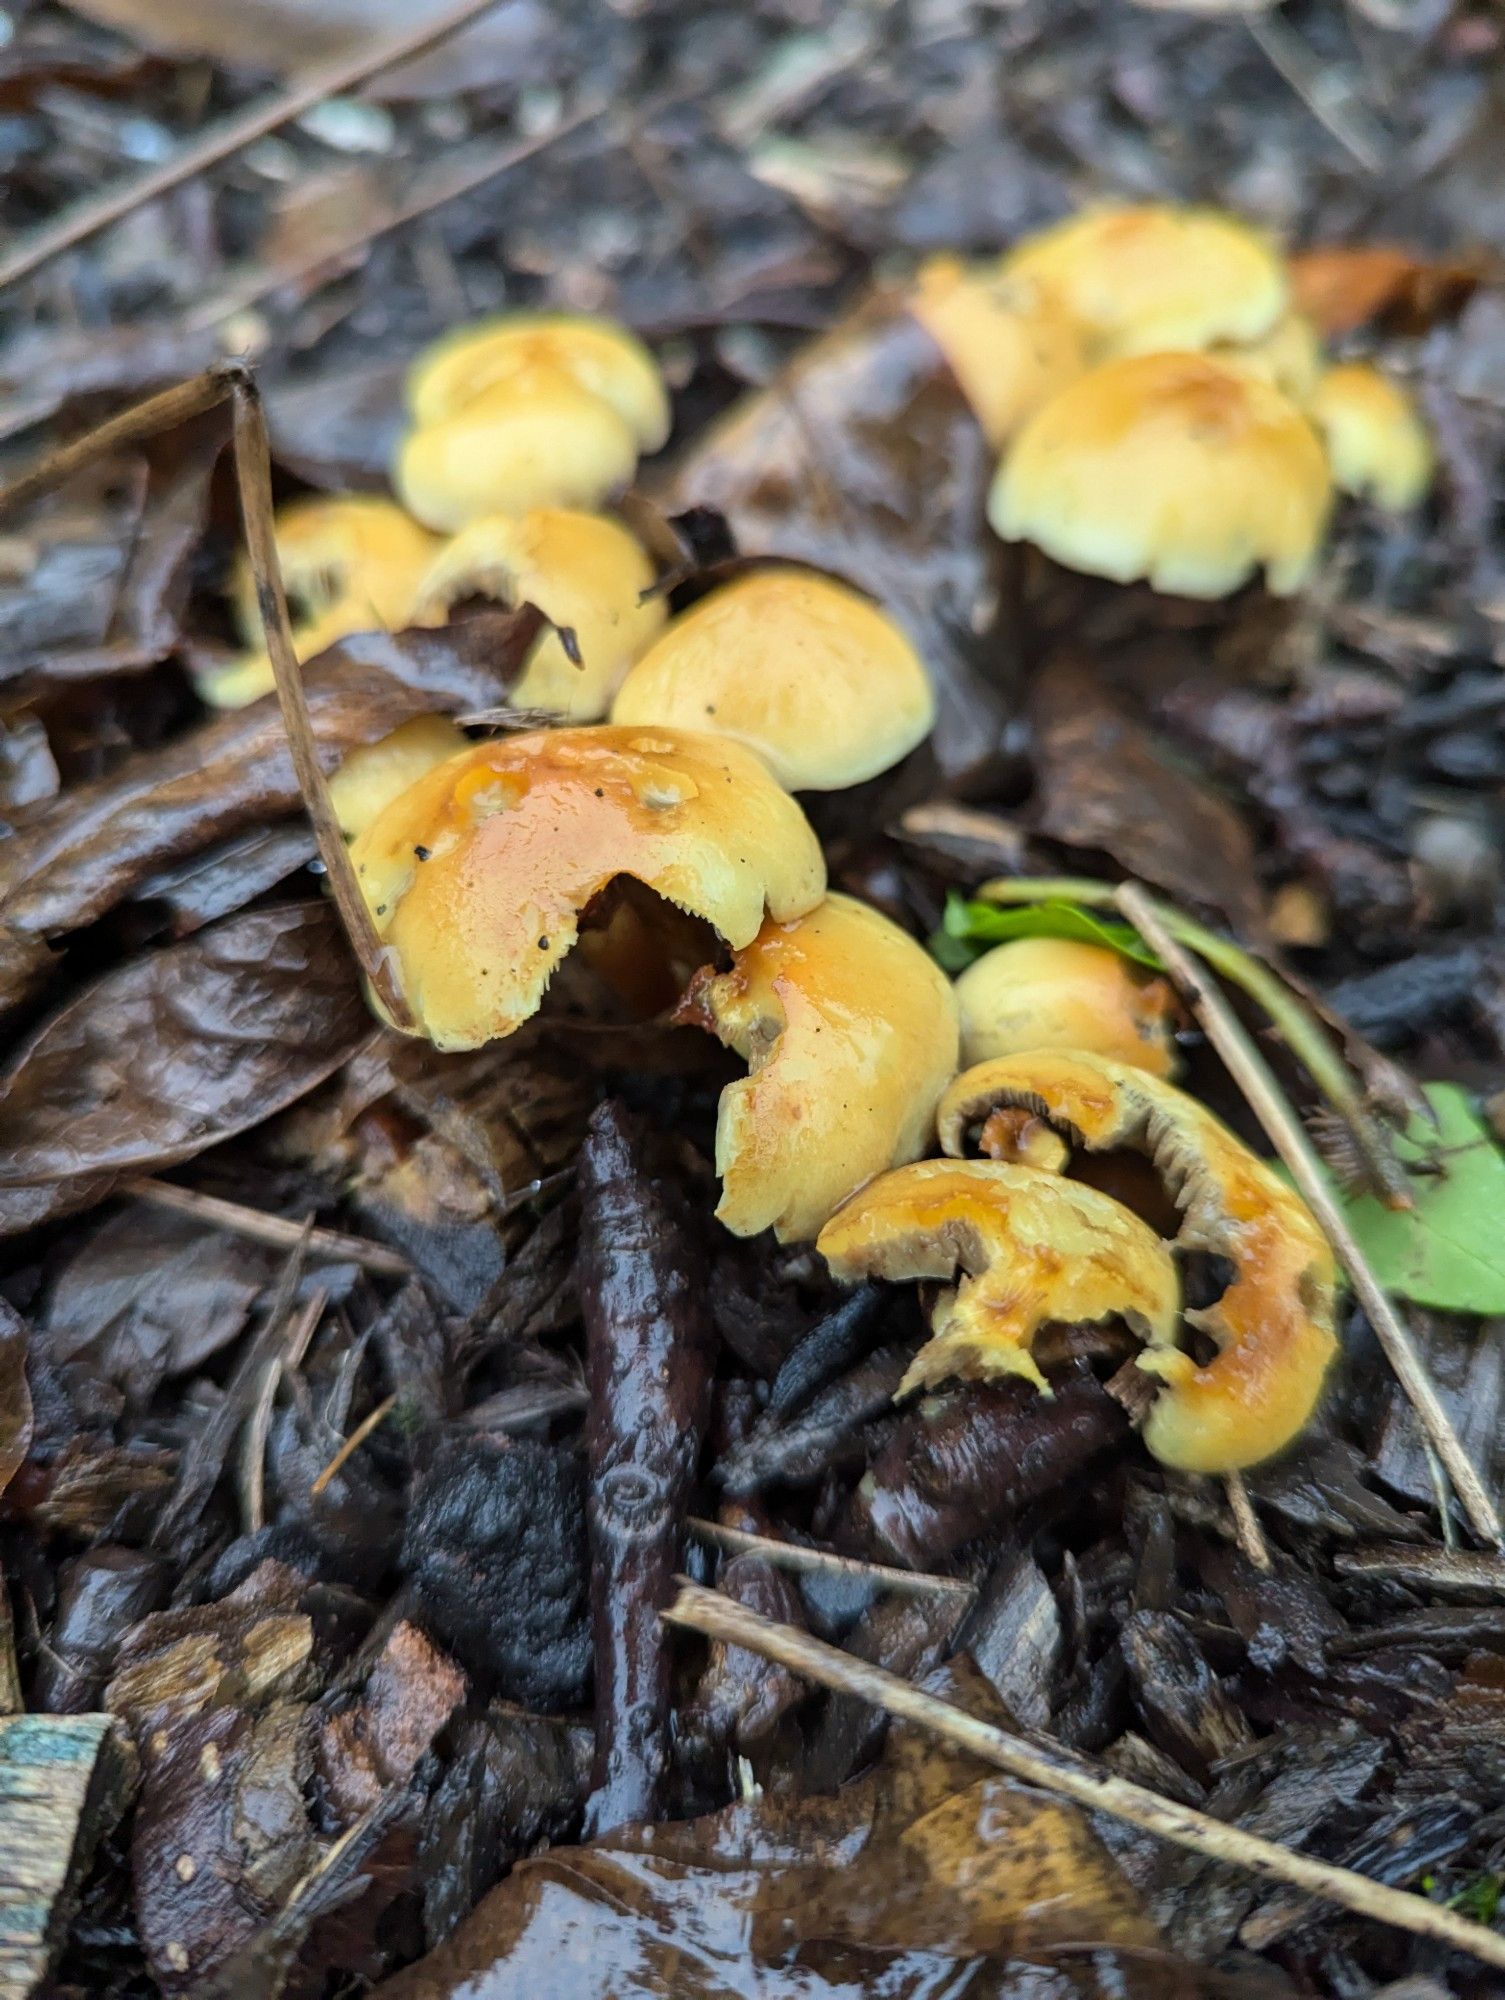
1377	444
476	876
1170	467
1009	344
581	570
812	676
1289	357
536	438
1057	993
370	778
1156	277
848	1028
602	356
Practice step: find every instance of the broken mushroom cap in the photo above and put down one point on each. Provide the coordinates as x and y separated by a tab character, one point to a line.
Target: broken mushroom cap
533	439
848	1029
1032	1248
1009	344
1273	1326
583	572
1171	467
1377	445
603	357
477	875
1154	278
350	563
804	671
370	777
1056	993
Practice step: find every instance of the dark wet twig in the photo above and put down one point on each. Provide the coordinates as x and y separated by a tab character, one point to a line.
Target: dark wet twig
795	1556
649	1354
1254	1077
229	136
142	420
718	1617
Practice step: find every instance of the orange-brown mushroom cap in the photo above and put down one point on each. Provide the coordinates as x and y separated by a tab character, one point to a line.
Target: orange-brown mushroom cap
477	875
1033	1248
1060	993
849	1031
1172	467
1273	1326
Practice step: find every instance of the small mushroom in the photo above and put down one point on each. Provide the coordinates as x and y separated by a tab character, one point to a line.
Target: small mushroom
1173	467
1289	357
1009	344
1376	443
848	1029
370	777
530	410
1273	1325
1033	1249
477	876
1155	278
583	571
801	669
1057	993
349	564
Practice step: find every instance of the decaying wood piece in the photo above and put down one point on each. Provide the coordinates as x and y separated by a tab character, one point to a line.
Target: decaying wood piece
64	1781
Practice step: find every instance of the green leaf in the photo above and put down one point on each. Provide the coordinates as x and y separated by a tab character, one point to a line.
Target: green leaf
976	927
1449	1251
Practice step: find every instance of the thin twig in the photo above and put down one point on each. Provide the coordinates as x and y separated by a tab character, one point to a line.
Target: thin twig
1448	1572
791	1556
157	413
276	1231
1323	89
253	472
1253	1075
1304	1035
720	1618
1250	1536
330	79
259	1423
353	1443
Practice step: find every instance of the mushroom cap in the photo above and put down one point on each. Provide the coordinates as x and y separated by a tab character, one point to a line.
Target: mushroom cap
371	776
1057	993
1172	467
1033	1248
582	571
476	875
535	438
1377	445
1009	344
849	1031
1289	357
603	357
1273	1326
809	674
1157	277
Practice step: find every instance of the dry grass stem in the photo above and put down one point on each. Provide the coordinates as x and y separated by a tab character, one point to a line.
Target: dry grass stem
791	1556
1251	1537
259	1423
276	1231
353	1443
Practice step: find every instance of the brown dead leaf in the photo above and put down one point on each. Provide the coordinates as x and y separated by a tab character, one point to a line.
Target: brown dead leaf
171	1053
1342	288
15	1395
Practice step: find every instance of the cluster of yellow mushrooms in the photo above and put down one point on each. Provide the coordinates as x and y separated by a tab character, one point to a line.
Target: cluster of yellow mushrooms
1162	414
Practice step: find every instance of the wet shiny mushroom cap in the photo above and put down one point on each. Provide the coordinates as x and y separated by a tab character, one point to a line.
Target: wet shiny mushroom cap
478	874
1057	993
372	776
849	1032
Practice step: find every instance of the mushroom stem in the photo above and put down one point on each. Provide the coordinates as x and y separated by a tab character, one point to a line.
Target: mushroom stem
719	1617
1300	1029
1254	1077
253	475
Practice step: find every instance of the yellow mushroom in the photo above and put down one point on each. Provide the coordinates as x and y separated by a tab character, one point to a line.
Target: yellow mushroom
1289	357
1171	467
371	777
477	876
1376	442
350	563
1273	1325
1010	344
849	1032
804	671
583	571
1032	1248
1156	278
1056	993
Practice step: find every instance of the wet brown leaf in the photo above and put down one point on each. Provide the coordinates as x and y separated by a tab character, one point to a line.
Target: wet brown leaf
173	1052
921	1879
1345	287
15	1396
410	1694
